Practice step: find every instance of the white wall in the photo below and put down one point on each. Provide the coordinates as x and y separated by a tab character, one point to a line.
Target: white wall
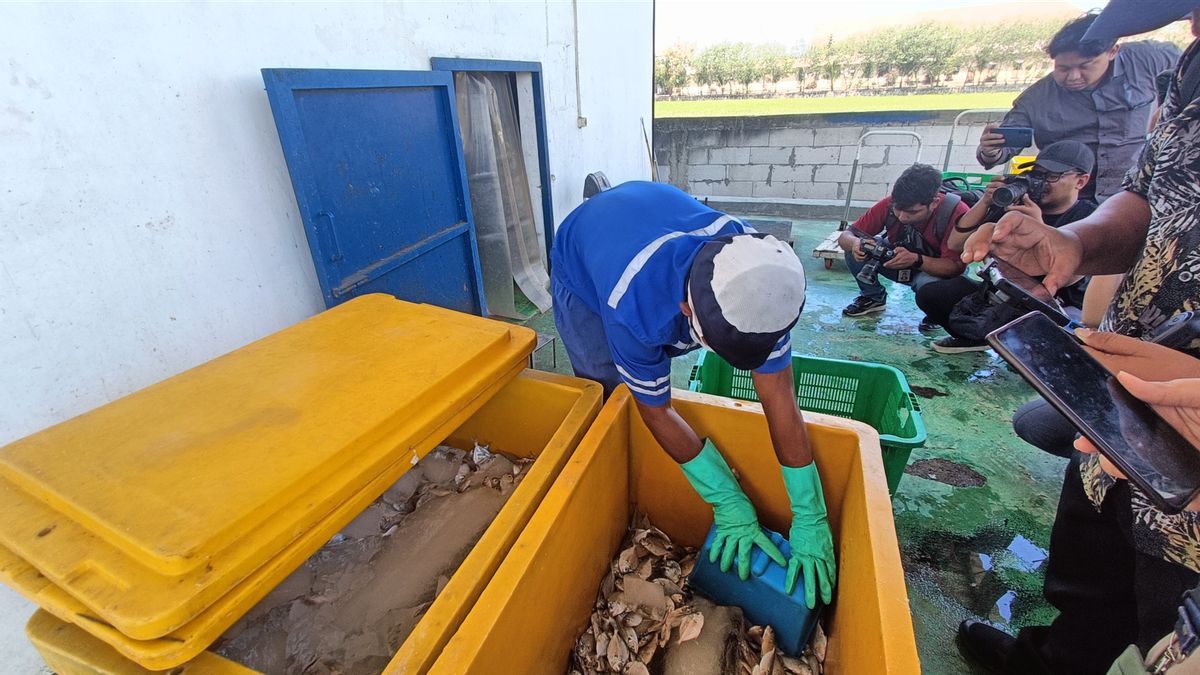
147	223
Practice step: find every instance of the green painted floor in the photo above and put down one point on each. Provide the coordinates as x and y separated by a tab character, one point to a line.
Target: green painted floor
967	551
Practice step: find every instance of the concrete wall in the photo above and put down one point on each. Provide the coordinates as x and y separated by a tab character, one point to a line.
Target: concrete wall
806	157
148	220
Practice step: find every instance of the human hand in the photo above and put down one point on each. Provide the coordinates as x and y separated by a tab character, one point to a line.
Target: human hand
995	182
1142	359
1030	245
857	251
1176	401
1027	207
738	531
810	540
903	259
990	142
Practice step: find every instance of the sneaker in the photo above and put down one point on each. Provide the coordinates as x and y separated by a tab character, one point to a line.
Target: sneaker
928	325
864	305
953	345
984	645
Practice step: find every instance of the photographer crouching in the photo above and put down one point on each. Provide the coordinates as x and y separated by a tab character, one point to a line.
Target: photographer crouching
903	238
1048	193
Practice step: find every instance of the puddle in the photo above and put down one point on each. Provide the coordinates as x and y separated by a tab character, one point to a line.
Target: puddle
1029	556
995	574
1002	610
982	374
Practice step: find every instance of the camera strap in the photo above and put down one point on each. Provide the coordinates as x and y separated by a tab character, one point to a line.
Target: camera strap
914	240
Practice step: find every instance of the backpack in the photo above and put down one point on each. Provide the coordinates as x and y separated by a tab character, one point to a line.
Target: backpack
956	185
913	240
977	314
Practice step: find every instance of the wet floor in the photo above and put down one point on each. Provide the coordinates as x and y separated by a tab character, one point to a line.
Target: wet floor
973	513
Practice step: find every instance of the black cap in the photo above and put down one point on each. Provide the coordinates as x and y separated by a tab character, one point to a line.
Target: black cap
1065	156
1132	17
746	292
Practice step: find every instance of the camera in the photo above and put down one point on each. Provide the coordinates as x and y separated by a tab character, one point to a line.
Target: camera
1017	186
878	251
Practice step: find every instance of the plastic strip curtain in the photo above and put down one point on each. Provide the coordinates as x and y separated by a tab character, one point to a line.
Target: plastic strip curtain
505	227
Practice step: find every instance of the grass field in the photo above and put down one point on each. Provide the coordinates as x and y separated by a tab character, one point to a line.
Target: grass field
802	106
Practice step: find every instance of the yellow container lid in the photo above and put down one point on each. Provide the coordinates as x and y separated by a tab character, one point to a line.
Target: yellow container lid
148	509
566	407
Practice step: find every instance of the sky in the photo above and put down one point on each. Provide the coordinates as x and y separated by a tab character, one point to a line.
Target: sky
789	22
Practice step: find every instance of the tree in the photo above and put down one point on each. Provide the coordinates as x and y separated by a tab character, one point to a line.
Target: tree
981	49
715	65
943	51
671	69
747	63
775	62
826	61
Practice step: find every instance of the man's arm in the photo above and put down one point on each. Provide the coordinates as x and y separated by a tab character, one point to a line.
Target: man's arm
777	393
972	219
672	433
1106	242
943	267
1112	237
869	223
852	244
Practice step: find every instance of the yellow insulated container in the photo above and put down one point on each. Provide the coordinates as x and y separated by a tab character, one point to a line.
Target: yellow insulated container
538	415
146	511
541	598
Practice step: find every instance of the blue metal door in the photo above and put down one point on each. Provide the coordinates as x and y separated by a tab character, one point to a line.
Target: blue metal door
377	165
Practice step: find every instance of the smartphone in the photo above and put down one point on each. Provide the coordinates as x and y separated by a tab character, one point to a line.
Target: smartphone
1155	457
1015	137
1021	291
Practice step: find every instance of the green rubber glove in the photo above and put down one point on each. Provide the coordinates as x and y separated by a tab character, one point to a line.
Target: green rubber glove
811	540
738	531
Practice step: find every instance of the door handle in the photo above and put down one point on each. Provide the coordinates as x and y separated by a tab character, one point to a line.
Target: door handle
335	253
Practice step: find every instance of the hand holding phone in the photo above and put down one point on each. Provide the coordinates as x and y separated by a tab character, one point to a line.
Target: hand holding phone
1145	359
1176	401
1016	137
1163	464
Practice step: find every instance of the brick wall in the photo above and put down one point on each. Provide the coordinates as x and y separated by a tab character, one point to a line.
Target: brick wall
806	156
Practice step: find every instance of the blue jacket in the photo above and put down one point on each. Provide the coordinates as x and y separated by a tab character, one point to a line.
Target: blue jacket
626	253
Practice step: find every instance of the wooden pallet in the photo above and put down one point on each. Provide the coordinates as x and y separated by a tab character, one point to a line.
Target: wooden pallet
829	249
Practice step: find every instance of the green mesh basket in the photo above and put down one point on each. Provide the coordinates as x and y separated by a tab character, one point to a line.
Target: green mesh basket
871	393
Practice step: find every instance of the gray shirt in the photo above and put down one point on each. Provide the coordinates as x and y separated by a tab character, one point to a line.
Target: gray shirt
1111	119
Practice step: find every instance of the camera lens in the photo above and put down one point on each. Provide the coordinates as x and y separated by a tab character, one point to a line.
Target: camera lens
1009	194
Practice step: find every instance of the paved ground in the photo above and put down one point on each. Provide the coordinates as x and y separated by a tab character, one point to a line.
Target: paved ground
967	551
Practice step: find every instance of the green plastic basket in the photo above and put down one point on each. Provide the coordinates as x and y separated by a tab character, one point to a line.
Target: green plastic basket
872	393
975	181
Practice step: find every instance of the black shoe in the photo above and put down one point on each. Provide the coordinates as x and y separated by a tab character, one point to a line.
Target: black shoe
864	305
953	345
928	325
985	645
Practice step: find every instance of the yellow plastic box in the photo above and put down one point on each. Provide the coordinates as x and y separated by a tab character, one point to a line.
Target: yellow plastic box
149	509
539	415
540	599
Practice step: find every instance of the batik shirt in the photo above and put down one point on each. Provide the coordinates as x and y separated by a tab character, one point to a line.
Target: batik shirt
1163	282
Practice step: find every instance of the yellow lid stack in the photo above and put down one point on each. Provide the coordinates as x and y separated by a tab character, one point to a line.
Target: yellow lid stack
158	519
